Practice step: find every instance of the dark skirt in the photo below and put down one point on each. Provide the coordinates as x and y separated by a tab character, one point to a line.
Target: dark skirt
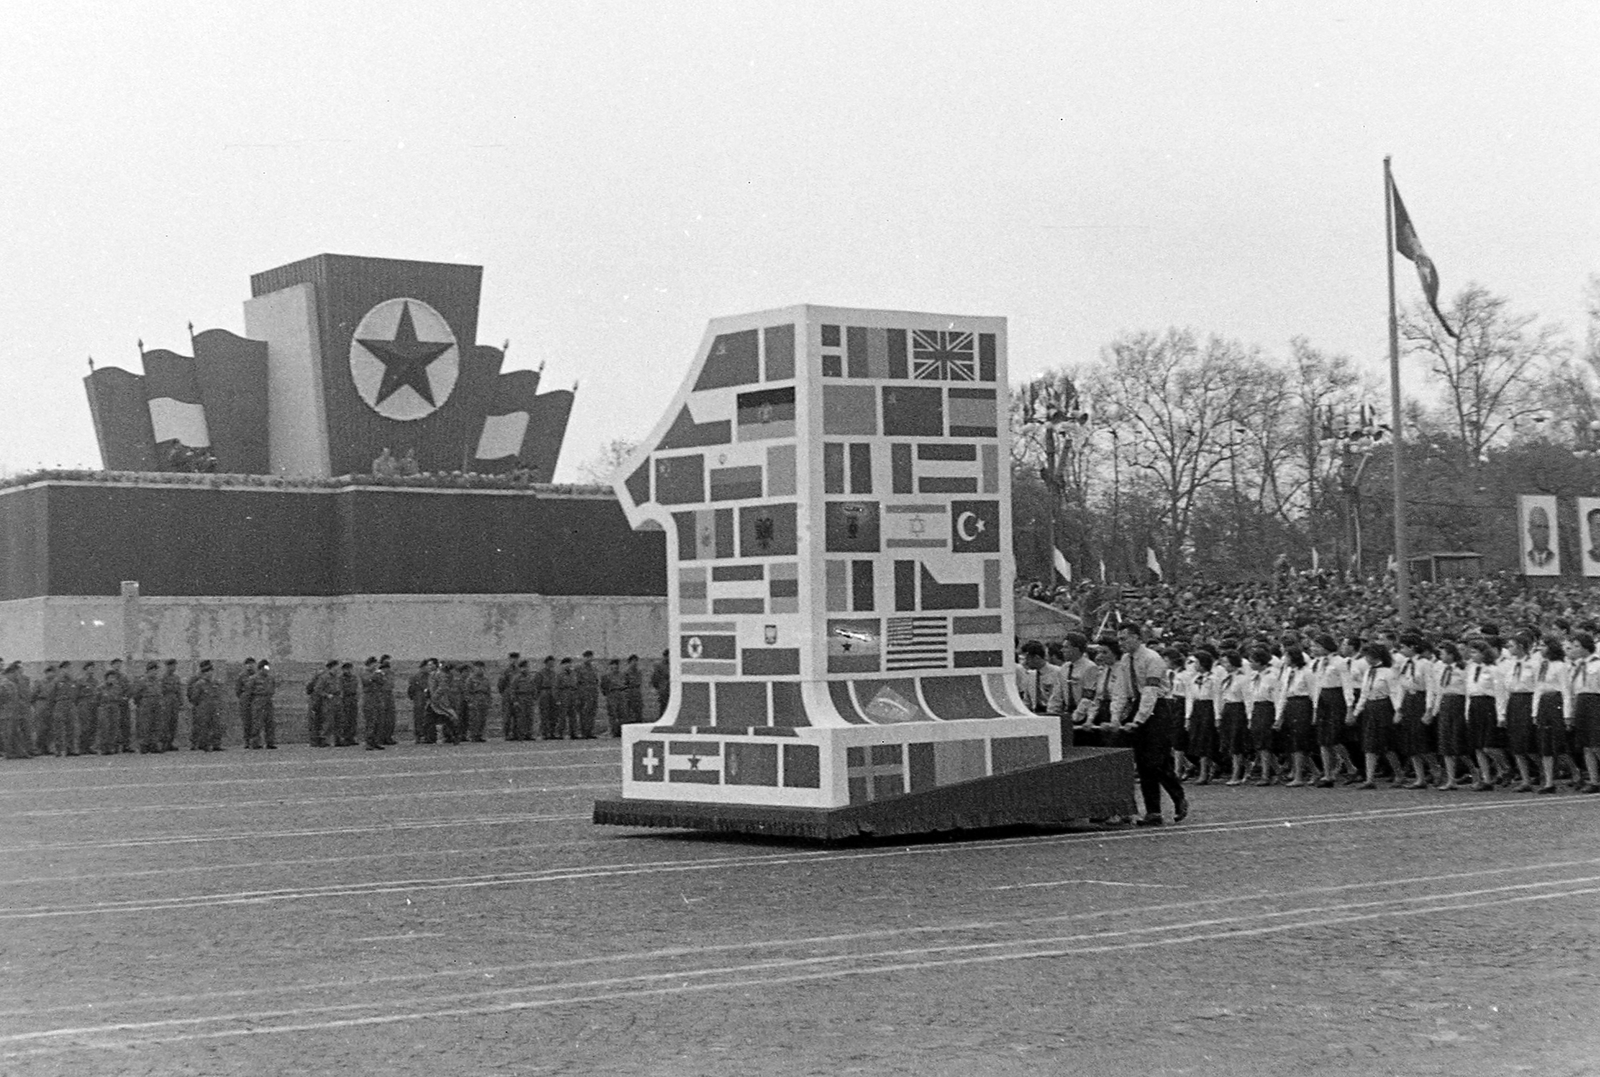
1298	724
1586	721
1233	738
1452	725
1331	714
1412	738
1203	729
1262	715
1481	722
1519	723
1177	729
1552	725
1377	726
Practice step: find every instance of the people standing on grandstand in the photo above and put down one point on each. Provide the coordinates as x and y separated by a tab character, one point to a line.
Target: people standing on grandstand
1140	705
1447	710
1294	717
1585	705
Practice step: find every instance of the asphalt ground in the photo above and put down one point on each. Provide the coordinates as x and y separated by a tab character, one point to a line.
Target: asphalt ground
451	910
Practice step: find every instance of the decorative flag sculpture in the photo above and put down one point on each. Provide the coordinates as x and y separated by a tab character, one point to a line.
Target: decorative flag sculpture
835	489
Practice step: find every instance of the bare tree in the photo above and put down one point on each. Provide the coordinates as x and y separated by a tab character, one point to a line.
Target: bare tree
1491	371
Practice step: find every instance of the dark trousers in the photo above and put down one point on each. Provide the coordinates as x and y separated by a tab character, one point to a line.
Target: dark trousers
314	722
263	723
1152	761
549	728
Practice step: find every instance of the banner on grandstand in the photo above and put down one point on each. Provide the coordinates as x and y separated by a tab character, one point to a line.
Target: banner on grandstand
1589	535
1536	535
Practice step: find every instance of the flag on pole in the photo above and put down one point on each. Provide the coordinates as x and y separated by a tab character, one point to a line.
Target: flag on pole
1151	563
1409	246
1063	566
1102	570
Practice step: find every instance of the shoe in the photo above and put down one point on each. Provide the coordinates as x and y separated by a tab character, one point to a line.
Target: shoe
1449	787
1545	789
1148	820
1590	788
1262	782
1523	787
1482	787
1415	785
1325	783
1294	784
1180	811
274	747
1352	779
1234	781
1367	785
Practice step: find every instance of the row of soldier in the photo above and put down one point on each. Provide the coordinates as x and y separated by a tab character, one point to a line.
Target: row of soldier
70	711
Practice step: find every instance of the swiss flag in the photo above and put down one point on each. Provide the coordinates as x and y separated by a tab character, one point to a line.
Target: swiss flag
649	761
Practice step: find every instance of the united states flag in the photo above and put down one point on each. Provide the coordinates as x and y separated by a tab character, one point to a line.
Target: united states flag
917	643
940	356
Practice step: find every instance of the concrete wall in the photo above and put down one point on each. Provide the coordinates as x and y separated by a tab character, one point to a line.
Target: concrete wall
314	629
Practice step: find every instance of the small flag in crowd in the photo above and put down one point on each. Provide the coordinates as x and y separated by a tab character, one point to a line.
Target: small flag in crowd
1151	563
1409	246
1063	566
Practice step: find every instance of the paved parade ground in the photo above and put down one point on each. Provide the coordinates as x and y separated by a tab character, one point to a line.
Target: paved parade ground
453	911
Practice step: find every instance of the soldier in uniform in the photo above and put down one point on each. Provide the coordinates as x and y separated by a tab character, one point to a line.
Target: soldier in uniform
661	681
502	684
545	684
263	687
124	740
524	690
146	697
88	709
566	700
615	687
40	703
203	693
480	697
417	692
13	727
349	706
371	706
171	705
444	703
110	698
586	703
633	686
321	689
241	696
386	696
64	711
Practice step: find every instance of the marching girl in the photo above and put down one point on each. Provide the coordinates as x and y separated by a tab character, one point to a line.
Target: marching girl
1521	673
1550	713
1584	704
1180	679
1413	738
1447	710
1352	666
1331	708
1376	712
1233	729
1200	715
1486	708
1294	715
1261	692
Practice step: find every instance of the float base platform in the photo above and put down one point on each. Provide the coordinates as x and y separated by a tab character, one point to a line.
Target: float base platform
1087	783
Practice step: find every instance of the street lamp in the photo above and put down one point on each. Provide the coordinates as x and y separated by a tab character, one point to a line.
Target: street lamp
1352	446
1055	413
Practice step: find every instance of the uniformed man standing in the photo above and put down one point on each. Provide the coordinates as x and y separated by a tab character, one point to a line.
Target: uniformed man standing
566	700
259	695
524	689
321	690
146	697
124	740
386	693
502	684
203	693
371	706
171	705
241	696
545	683
586	698
479	698
39	703
633	687
444	706
417	692
64	711
109	700
615	687
349	706
661	681
13	729
88	708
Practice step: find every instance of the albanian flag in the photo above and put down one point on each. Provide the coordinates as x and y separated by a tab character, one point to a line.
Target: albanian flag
1409	246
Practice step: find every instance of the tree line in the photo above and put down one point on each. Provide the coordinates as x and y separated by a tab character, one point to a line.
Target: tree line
1228	460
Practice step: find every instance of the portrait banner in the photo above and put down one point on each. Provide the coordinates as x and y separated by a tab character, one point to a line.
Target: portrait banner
1536	535
1589	535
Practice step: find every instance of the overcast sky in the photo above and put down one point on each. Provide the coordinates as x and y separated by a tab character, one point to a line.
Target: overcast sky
624	172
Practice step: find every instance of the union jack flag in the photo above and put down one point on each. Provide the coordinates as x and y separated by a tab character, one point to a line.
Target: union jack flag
940	356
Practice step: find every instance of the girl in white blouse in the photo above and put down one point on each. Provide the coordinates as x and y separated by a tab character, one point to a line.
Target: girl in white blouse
1550	713
1376	711
1295	715
1585	704
1447	710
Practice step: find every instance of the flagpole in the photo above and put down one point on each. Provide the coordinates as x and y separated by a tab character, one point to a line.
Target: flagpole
1402	567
